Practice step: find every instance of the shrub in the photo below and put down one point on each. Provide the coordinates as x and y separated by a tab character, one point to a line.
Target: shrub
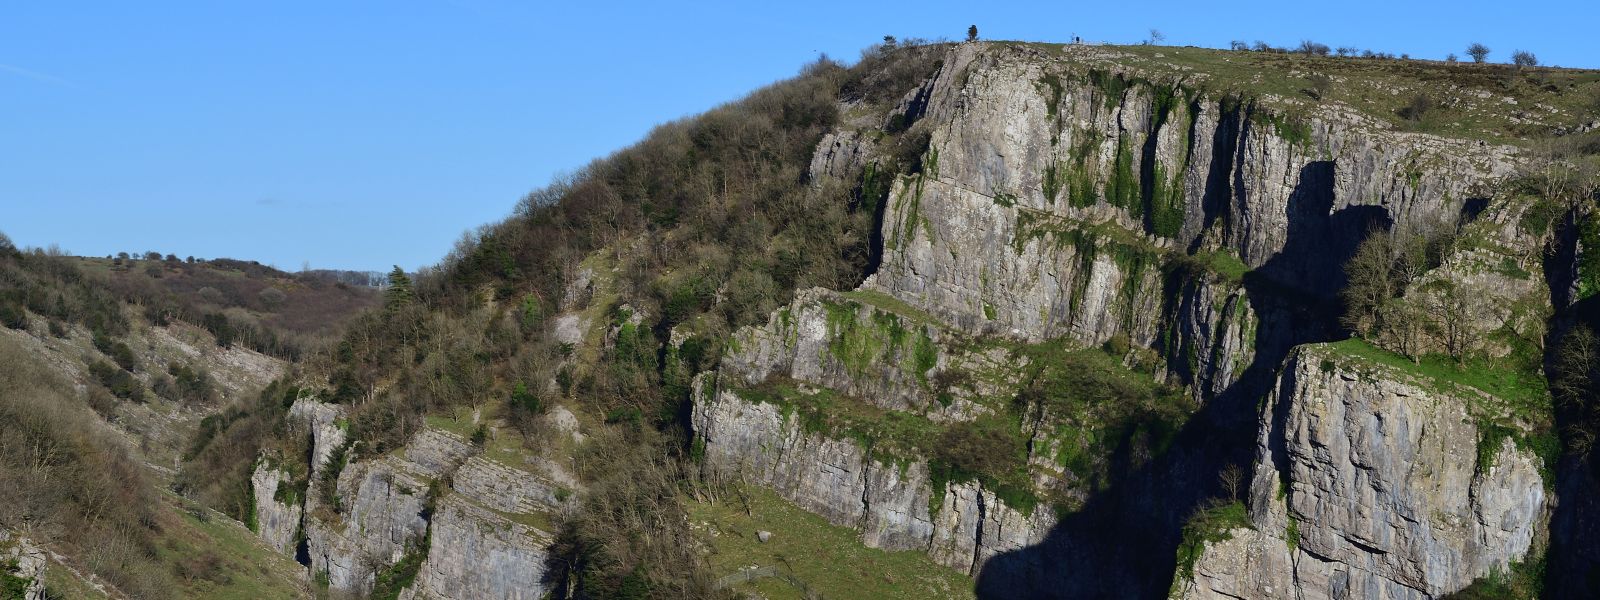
13	316
1417	108
1478	52
117	381
272	297
1312	48
1523	58
1319	85
116	350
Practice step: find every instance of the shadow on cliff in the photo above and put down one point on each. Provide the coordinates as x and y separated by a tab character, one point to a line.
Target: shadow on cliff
1573	561
1122	543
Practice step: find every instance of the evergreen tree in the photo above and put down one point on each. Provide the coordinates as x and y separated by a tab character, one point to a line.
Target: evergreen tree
399	293
972	33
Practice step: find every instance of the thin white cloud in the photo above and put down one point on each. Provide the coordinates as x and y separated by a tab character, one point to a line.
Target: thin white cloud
35	75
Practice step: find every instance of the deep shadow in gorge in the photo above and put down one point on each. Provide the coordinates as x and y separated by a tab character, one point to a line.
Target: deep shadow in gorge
1122	543
1573	561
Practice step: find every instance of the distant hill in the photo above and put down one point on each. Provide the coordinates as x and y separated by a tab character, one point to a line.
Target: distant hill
273	311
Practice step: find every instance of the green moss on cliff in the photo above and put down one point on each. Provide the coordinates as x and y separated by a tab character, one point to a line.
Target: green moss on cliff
1207	526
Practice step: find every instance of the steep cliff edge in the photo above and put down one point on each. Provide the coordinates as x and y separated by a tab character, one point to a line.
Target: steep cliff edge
1075	197
1376	483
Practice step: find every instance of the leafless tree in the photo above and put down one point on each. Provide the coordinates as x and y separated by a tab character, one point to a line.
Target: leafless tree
1478	52
1231	477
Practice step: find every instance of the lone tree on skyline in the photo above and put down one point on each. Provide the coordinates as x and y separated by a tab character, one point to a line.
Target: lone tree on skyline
1524	58
972	33
1478	52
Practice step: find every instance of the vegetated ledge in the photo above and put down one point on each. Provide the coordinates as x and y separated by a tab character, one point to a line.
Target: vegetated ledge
1025	429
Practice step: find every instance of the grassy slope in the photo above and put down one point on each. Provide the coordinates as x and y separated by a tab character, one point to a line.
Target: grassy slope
198	540
826	558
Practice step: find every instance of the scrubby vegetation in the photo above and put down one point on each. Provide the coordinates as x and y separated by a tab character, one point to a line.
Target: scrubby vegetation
705	225
1208	525
239	302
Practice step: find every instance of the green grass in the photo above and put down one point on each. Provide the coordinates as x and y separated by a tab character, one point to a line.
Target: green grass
1523	581
1224	263
1207	526
213	557
827	559
62	583
893	435
1521	392
1094	405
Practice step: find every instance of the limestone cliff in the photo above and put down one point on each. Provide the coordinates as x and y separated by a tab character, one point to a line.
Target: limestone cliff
1370	482
468	526
1079	197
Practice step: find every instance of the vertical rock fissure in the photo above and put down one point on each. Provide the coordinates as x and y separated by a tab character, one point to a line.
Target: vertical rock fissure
1147	165
866	490
1219	176
977	540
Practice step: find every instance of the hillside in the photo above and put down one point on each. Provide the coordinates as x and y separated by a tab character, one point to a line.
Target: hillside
992	319
105	384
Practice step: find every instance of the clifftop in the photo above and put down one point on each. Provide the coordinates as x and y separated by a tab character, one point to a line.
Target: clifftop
1493	102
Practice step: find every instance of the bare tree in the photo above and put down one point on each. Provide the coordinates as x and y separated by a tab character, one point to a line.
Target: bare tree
1230	477
1450	309
1312	48
1557	177
1524	58
1156	38
1478	52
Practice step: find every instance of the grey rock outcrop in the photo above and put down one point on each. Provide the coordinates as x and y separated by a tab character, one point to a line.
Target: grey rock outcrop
323	420
389	506
476	553
277	516
1051	187
841	481
24	560
1367	484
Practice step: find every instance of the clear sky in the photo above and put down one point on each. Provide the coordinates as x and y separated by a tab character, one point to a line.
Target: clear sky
366	134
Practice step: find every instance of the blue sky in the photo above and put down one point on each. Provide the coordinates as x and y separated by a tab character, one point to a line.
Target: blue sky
366	134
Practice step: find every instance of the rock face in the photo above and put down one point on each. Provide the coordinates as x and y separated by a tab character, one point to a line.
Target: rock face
388	507
24	560
1367	484
1048	185
476	553
841	481
834	343
278	508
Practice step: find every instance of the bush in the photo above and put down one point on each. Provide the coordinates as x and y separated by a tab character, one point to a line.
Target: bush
1523	58
1417	108
117	351
13	316
1319	85
1478	52
1313	48
117	381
